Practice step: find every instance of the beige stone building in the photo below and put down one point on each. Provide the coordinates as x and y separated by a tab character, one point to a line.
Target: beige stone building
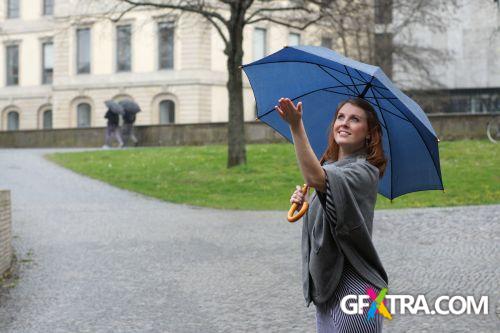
61	59
60	62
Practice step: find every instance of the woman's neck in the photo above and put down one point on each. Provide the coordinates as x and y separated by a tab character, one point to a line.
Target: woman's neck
346	153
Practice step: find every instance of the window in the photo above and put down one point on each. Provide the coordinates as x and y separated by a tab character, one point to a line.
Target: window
12	121
48	7
326	42
470	100
12	8
167	112
83	51
259	43
47	62
123	48
165	45
293	39
47	119
83	115
383	11
12	65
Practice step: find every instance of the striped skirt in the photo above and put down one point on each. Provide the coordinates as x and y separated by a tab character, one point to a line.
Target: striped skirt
331	319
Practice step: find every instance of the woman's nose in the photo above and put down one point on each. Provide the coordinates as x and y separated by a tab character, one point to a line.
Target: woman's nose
344	122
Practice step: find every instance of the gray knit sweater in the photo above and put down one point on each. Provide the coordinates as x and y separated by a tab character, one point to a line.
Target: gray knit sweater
344	231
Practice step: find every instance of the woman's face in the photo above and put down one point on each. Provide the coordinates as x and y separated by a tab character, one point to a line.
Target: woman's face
350	127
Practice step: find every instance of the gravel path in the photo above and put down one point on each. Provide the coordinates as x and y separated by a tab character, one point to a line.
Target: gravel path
109	260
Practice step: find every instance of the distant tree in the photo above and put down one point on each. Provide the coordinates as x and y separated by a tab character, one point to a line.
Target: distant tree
229	18
381	32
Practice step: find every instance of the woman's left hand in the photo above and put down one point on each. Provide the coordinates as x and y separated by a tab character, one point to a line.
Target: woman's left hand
288	112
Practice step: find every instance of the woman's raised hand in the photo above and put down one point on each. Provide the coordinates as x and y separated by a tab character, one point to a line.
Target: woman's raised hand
297	197
289	112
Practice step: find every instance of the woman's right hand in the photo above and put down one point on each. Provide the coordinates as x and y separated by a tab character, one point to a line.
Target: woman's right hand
289	112
298	197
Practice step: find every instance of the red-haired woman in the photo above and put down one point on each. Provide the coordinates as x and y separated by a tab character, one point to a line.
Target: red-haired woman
338	256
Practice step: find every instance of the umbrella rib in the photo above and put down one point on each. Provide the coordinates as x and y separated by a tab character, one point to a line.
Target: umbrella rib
428	150
293	61
361	76
312	63
321	67
376	89
386	110
370	80
392	104
388	139
336	92
311	92
385	97
389	100
349	74
308	62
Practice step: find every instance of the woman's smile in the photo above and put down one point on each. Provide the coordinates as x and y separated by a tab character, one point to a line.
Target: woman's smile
344	133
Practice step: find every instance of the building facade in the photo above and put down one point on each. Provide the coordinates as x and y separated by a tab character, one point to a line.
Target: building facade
59	65
470	79
61	59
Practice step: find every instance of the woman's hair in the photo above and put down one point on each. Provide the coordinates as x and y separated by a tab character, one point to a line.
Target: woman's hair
374	149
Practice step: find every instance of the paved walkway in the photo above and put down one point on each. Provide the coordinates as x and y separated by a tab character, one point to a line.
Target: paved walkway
108	260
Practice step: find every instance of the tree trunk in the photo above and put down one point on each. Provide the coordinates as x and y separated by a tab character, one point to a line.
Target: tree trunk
236	129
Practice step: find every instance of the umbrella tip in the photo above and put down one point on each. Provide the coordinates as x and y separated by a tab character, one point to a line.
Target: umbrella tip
240	66
438	139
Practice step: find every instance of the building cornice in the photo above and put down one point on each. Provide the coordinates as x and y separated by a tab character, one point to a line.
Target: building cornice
27	26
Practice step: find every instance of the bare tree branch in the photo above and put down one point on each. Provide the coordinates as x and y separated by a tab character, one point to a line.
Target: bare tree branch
123	13
354	26
218	28
276	9
192	7
286	24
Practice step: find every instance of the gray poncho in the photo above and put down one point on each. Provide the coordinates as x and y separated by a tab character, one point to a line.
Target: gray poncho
344	231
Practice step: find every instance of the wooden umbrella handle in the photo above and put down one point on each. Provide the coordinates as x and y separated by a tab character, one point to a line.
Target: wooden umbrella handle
293	218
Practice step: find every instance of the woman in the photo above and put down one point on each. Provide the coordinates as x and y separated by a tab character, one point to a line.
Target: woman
338	255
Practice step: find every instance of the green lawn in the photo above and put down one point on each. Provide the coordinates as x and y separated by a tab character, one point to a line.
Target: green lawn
198	175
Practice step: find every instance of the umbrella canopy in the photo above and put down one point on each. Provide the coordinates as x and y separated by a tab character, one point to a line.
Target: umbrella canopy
114	107
321	79
130	106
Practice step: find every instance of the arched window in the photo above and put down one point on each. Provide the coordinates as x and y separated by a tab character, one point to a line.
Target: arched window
167	112
83	115
47	119
12	121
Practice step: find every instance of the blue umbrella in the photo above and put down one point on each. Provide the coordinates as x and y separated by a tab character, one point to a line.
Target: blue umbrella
321	78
